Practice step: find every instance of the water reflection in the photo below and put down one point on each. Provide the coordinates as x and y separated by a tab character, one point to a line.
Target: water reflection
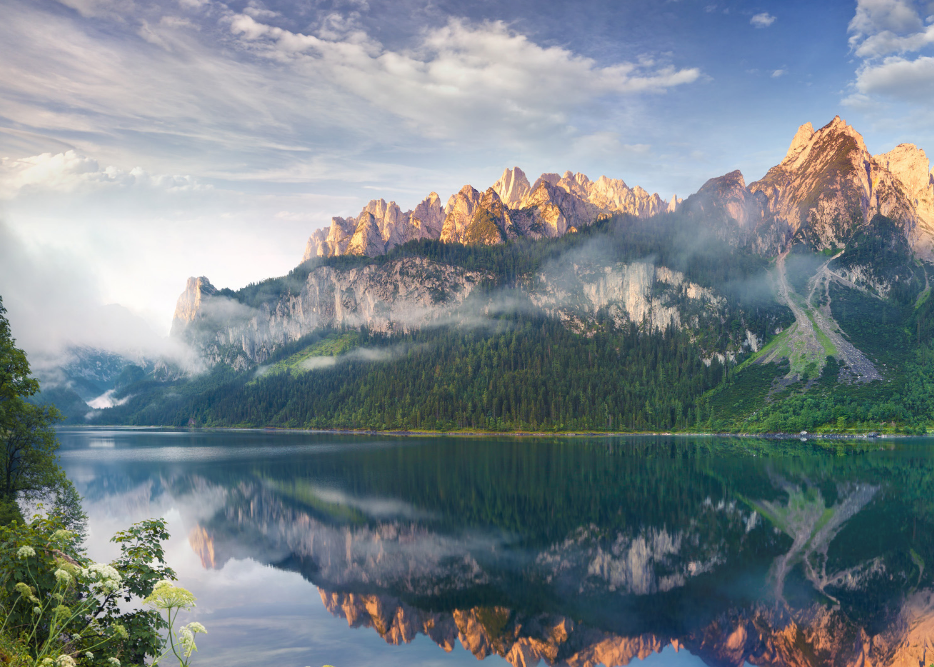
568	552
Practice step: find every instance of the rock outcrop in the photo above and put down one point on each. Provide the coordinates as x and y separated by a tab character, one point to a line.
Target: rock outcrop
397	296
910	165
379	228
511	208
653	297
188	307
828	185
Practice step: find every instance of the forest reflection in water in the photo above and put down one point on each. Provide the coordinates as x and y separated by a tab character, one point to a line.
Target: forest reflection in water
561	551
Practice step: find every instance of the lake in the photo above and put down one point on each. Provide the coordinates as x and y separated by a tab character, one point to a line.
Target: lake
312	549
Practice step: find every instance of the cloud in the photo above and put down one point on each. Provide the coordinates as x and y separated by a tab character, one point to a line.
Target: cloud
365	354
878	16
70	172
899	78
53	304
884	34
464	76
762	20
779	72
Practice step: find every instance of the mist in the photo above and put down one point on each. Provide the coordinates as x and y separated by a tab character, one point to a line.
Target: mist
54	305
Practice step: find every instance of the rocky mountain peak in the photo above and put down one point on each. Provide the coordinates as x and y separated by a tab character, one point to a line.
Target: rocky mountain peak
188	306
828	185
512	187
728	195
801	139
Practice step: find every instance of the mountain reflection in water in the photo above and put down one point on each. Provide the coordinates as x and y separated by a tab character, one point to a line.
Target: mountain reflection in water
568	552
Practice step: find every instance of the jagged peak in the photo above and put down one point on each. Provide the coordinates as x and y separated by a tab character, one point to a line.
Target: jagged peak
512	186
606	181
432	198
734	177
801	139
551	179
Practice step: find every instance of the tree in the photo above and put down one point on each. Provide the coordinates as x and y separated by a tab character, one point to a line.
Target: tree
28	466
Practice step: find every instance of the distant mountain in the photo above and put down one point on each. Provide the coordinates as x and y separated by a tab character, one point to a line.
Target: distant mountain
511	208
752	307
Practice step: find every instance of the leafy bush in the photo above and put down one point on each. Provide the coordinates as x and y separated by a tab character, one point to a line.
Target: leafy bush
58	608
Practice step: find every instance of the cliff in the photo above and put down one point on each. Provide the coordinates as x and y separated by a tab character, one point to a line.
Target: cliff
509	209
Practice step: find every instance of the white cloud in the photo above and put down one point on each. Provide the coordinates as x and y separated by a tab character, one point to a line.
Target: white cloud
885	34
899	78
779	72
70	172
463	76
877	16
762	20
887	42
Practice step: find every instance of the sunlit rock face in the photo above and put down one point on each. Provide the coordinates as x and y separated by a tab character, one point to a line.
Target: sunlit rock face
828	185
511	208
189	305
379	228
910	166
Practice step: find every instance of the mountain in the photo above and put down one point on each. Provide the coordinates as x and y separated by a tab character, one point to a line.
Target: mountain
794	302
507	210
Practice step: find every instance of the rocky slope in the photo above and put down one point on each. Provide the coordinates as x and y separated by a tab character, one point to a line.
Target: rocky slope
400	295
825	190
508	209
827	186
410	293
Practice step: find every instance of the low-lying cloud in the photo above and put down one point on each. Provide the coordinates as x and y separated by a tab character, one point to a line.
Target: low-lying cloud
54	304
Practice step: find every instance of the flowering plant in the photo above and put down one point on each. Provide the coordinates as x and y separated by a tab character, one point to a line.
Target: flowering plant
63	610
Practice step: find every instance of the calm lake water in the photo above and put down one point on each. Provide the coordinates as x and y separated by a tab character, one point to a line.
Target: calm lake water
311	549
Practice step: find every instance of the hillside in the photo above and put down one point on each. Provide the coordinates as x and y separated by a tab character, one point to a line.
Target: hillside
798	302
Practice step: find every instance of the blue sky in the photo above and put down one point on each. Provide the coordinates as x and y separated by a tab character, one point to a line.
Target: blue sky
142	142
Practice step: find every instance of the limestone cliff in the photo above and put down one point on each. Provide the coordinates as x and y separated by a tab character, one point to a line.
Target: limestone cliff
654	297
397	296
910	166
188	307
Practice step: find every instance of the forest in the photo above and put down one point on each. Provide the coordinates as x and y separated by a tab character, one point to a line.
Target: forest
529	372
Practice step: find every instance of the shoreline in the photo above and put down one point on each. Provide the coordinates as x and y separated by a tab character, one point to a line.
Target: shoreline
803	436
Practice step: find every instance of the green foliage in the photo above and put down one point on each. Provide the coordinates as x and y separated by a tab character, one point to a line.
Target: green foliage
523	374
56	602
28	466
15	382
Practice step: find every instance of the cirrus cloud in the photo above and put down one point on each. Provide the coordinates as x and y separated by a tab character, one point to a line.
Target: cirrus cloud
462	76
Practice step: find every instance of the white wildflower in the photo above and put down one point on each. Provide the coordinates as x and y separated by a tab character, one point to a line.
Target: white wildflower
62	534
196	627
36	610
187	638
113	661
88	655
26	552
166	595
104	575
65	661
62	576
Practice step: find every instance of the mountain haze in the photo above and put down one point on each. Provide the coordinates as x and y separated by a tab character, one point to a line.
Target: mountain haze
735	306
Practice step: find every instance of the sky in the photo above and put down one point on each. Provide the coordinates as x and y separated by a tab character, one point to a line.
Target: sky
145	142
